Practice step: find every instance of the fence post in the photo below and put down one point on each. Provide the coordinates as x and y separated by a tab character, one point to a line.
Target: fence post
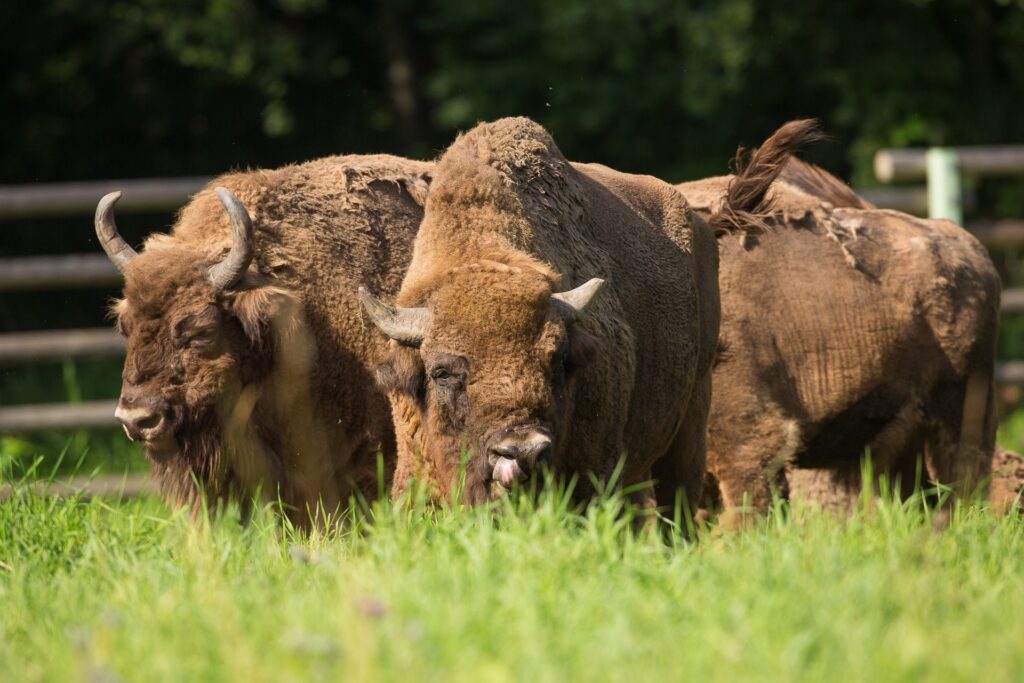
944	196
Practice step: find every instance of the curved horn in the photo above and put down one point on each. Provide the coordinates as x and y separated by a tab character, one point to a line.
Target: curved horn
405	325
119	251
578	299
229	271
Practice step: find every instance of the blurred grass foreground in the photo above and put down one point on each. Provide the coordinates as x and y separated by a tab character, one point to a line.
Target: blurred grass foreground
132	592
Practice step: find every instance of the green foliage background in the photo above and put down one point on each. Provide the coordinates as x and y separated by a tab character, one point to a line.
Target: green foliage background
158	88
122	88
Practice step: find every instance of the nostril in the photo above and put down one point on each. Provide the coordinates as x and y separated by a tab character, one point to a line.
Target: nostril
530	449
505	450
141	423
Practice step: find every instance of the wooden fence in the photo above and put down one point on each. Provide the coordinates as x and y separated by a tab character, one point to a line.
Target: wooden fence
77	200
94	270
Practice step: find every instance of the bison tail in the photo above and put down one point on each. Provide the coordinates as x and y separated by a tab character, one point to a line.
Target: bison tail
747	206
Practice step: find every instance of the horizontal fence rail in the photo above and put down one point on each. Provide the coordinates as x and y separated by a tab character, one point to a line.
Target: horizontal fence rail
57	272
60	199
912	199
57	416
1012	301
1010	372
892	165
22	347
108	486
100	414
95	270
999	234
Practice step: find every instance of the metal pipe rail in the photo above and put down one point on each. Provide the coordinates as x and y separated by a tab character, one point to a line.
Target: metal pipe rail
61	199
57	416
21	347
1000	234
107	486
912	199
1009	373
911	164
57	272
95	270
100	414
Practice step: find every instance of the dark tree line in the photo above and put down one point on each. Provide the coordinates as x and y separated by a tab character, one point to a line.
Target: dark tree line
150	88
120	88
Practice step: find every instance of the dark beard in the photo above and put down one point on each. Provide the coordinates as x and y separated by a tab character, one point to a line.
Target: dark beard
198	468
478	480
209	468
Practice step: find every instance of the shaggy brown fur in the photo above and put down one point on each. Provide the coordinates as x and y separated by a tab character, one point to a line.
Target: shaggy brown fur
1007	488
814	181
269	383
508	223
849	328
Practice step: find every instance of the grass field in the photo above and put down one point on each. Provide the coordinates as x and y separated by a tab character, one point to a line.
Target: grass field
131	591
93	591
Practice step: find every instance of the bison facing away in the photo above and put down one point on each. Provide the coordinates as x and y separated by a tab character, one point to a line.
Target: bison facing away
553	312
848	327
248	363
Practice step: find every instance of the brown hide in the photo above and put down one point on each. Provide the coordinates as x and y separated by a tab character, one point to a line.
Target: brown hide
1007	487
268	383
844	328
508	223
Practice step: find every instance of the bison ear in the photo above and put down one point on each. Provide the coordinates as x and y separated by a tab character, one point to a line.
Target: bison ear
402	372
262	308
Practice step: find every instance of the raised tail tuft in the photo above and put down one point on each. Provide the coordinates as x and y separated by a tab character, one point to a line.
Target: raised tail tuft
747	206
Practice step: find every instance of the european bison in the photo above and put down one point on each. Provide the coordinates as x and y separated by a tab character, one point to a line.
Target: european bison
248	361
848	327
560	313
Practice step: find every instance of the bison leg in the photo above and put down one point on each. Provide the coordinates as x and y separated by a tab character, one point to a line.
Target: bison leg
679	474
749	470
828	490
961	435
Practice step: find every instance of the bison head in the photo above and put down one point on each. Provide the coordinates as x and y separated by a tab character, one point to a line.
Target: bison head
199	328
488	365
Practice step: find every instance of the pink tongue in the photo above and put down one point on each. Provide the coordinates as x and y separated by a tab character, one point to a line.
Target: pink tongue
507	471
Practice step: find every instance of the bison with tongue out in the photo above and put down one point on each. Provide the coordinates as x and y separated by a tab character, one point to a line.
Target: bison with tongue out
556	313
248	364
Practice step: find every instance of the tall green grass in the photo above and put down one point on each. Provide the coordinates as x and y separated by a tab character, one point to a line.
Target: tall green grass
532	591
71	451
132	591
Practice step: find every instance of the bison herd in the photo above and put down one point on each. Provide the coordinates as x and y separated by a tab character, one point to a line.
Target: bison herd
355	323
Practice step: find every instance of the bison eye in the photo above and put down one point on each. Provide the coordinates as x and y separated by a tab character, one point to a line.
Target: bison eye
202	339
445	377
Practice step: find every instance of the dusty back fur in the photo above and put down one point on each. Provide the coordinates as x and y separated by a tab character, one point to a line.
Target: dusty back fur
849	327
